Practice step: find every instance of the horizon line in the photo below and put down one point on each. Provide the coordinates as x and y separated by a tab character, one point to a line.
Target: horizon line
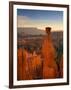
42	29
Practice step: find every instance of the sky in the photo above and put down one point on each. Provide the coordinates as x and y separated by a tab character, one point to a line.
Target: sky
40	19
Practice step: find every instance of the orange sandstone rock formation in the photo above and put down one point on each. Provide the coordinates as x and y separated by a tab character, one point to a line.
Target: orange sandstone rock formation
50	69
19	64
61	67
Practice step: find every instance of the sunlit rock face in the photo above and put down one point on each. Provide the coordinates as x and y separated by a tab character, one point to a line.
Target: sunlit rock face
49	55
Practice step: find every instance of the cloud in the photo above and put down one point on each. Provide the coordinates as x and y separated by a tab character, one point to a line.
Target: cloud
23	18
24	21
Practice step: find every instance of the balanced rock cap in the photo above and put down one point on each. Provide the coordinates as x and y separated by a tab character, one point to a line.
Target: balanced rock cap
48	29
